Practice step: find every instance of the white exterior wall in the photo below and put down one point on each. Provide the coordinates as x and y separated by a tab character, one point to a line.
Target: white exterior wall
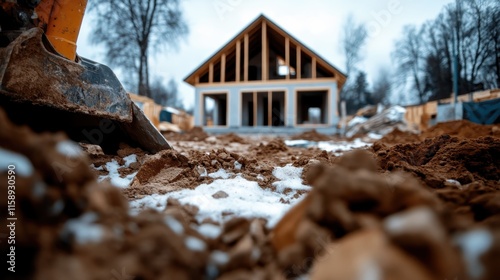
234	101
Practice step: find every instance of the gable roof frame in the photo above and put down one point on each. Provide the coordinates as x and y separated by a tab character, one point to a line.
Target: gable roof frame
190	79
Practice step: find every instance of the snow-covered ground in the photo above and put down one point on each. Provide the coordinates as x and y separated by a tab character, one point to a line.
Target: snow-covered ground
244	198
231	195
114	176
337	147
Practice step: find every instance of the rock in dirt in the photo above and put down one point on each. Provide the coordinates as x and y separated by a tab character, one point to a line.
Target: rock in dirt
220	194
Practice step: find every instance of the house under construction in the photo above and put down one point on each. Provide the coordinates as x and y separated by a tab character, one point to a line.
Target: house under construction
265	78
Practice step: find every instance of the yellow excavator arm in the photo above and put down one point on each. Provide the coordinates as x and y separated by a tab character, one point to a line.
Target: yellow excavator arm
41	75
61	20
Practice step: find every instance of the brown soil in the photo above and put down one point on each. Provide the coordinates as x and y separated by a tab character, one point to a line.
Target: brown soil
274	146
312	135
462	129
388	208
398	137
195	134
437	159
231	138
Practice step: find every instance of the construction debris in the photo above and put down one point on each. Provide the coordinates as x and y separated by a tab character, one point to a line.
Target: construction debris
381	123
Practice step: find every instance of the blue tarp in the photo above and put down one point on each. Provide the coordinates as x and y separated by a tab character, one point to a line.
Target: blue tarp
165	116
486	112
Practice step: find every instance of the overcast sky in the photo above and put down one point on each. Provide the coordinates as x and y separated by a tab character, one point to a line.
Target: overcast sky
316	23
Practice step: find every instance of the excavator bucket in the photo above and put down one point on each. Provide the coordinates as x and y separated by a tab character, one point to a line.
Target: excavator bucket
42	89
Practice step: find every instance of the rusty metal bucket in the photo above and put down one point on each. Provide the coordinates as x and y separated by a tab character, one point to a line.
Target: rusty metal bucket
46	91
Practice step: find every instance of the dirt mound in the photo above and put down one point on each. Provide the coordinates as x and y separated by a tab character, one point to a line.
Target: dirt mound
356	215
71	220
343	201
462	128
312	135
398	136
274	146
195	134
443	158
231	138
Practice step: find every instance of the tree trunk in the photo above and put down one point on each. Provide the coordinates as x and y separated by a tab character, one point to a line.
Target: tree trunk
143	74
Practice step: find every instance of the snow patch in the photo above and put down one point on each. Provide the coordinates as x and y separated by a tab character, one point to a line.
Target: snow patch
370	271
237	165
195	244
454	183
174	225
22	164
221	173
209	230
415	220
375	136
114	175
130	159
83	229
330	146
219	257
246	199
290	177
474	244
69	148
341	146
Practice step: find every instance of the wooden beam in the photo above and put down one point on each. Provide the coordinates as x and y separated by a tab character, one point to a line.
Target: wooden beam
245	60
197	79
269	108
254	108
287	56
238	58
299	63
223	68
313	67
211	73
265	59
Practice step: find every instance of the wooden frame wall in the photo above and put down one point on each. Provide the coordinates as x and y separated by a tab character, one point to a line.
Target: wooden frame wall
238	61
328	101
202	106
265	53
269	104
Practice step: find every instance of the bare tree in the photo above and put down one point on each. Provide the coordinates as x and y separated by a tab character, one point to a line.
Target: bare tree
132	31
382	87
465	33
353	39
409	57
166	95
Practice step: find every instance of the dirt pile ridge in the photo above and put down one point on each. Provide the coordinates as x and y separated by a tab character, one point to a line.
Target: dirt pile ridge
312	135
398	136
463	129
231	138
460	129
356	215
194	134
436	160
